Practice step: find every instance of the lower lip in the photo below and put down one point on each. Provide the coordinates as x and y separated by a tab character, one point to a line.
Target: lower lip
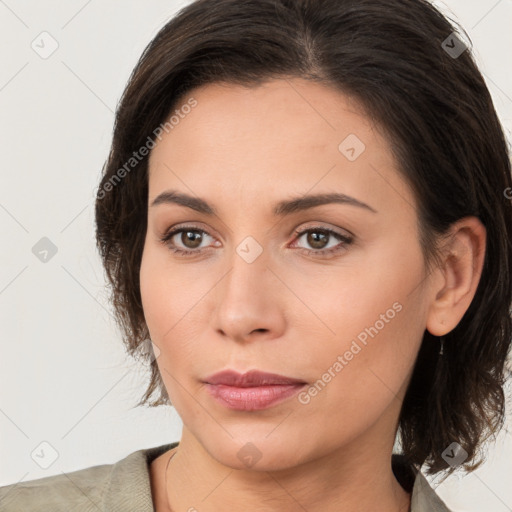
254	398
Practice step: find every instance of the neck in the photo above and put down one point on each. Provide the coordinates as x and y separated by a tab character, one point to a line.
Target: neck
343	480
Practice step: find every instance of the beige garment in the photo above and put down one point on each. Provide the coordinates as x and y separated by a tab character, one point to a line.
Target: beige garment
125	487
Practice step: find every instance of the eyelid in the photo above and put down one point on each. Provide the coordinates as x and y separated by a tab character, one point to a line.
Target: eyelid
318	225
187	225
344	241
296	231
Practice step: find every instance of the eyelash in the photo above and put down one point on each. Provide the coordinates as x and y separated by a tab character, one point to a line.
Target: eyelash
345	240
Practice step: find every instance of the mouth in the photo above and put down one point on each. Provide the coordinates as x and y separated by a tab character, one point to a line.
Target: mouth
251	391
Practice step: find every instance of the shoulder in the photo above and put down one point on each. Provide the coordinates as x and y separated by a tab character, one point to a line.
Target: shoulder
423	496
77	490
124	485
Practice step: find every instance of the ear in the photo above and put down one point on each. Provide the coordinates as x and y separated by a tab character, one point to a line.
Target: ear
456	279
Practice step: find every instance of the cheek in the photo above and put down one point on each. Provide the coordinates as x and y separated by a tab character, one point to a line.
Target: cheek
381	340
173	300
155	292
373	295
168	293
355	380
163	305
375	329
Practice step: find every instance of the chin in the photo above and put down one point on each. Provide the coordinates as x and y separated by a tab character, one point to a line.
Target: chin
258	454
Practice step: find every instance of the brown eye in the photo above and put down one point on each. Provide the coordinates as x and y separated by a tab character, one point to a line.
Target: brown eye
318	239
191	239
188	243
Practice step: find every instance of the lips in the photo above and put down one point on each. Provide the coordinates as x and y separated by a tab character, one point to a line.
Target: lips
251	391
250	379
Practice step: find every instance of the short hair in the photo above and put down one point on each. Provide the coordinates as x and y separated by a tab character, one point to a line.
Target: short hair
397	58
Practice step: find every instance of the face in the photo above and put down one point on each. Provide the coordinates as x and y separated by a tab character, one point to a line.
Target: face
332	294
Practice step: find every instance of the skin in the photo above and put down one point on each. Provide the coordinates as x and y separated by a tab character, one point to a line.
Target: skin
287	312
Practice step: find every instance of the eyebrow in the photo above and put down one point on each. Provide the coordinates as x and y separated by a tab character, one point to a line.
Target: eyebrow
281	209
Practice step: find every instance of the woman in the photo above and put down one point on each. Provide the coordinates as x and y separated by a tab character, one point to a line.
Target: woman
305	210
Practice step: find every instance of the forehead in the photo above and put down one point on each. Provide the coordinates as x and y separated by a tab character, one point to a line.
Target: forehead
279	113
288	134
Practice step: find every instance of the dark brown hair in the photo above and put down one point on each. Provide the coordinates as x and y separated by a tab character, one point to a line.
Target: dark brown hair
438	116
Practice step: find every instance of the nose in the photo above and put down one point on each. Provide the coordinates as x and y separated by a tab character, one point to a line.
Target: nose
249	299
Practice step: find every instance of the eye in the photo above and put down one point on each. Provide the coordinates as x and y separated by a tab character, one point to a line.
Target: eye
191	237
317	237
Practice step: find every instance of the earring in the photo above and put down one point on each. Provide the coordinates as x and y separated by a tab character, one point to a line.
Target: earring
441	347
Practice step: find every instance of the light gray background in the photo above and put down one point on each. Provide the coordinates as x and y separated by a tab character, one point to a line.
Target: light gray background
64	377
